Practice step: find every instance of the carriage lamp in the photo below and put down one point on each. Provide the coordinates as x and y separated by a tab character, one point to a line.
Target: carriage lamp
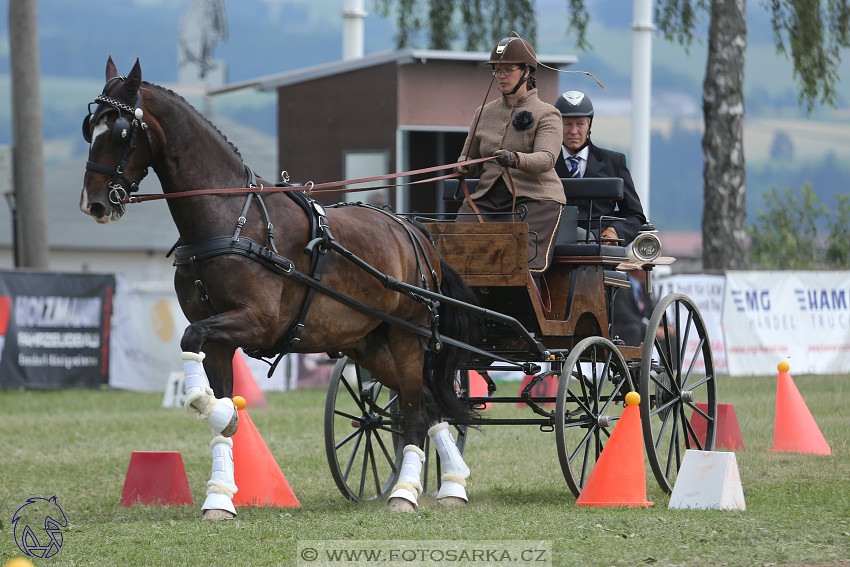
646	247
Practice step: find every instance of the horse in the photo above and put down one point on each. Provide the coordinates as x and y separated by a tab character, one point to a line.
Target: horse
241	285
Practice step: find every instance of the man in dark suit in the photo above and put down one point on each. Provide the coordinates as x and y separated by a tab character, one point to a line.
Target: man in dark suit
632	309
579	157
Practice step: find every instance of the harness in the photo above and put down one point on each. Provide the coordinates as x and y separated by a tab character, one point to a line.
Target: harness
320	243
124	132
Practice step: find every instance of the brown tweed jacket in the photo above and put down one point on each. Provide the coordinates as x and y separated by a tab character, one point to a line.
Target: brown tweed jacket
537	147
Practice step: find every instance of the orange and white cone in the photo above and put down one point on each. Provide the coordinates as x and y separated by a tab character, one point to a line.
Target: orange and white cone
619	478
795	430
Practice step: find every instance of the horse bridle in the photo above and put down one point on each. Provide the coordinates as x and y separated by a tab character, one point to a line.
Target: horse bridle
124	132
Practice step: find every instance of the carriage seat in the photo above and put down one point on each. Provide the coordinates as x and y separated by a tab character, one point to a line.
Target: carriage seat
586	189
566	238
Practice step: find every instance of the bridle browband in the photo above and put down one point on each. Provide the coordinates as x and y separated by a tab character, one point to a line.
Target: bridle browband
124	132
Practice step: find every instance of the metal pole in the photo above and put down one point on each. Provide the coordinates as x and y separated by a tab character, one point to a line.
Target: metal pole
27	130
642	28
352	29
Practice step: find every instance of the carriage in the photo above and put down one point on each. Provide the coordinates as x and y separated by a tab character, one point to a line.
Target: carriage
563	331
398	313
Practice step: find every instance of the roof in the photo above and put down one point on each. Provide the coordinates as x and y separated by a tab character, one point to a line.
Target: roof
145	226
399	57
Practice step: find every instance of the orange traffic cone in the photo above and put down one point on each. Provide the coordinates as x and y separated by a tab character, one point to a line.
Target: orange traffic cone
619	479
156	478
244	384
795	430
258	477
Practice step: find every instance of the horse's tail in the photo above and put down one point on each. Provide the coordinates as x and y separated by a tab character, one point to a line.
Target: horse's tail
459	324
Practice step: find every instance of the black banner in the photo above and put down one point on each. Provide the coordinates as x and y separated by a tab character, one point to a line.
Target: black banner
54	329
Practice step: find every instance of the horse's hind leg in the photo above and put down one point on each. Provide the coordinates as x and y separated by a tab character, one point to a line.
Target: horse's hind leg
401	364
455	471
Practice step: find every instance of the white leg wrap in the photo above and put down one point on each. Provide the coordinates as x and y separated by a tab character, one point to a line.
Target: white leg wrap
195	384
455	471
200	400
409	485
222	486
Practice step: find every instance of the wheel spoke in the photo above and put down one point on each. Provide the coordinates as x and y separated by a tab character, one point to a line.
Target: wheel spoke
353	455
591	379
689	432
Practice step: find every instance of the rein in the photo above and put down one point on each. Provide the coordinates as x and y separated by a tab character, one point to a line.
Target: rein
315	188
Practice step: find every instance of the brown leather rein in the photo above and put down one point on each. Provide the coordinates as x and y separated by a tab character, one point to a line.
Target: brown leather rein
319	188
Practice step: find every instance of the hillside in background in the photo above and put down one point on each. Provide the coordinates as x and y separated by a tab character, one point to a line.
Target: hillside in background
783	146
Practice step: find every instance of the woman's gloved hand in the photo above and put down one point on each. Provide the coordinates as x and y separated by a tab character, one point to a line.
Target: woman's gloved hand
506	158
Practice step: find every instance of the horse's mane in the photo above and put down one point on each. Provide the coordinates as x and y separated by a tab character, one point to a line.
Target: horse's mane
172	94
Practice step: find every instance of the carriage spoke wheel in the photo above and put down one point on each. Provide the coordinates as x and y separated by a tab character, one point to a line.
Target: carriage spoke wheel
363	436
678	389
591	393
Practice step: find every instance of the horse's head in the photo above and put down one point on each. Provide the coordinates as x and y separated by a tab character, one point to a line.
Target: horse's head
120	145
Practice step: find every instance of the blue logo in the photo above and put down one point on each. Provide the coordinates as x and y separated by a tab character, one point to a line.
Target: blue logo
38	527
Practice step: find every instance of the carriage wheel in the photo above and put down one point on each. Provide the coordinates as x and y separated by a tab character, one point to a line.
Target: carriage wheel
591	393
678	390
362	433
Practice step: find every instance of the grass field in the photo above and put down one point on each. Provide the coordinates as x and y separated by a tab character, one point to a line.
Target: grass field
76	444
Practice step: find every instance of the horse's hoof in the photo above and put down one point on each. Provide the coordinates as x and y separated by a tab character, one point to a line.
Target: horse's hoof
218	515
452	501
400	505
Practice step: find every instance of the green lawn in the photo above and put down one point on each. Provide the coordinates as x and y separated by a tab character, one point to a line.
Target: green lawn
76	444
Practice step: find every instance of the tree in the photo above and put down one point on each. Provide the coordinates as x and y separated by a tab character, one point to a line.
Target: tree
788	233
810	32
446	20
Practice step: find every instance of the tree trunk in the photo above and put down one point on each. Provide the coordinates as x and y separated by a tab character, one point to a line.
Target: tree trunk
724	211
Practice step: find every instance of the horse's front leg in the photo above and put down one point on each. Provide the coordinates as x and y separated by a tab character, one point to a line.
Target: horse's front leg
222	417
212	402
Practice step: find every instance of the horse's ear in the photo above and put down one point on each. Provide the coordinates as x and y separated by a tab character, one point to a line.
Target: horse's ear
111	71
135	75
133	82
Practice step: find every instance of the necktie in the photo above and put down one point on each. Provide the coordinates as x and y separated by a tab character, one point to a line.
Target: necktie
572	163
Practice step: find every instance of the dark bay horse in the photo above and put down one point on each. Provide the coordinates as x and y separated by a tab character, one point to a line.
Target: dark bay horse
233	300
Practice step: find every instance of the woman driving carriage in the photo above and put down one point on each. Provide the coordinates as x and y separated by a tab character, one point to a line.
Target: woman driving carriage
525	135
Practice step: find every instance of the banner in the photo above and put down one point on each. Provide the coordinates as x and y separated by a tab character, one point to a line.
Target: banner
706	291
796	316
54	329
146	330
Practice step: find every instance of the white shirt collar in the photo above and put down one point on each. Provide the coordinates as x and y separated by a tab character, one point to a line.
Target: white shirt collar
582	155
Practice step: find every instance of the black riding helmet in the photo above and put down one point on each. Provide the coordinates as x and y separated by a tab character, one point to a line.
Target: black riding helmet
576	103
517	51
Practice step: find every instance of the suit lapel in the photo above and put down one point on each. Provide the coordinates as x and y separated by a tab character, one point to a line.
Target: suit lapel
593	165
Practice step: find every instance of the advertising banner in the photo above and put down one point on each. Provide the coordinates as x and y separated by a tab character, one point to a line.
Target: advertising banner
54	329
796	316
147	326
706	291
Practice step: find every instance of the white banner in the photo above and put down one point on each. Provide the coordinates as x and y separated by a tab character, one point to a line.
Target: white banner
147	326
706	291
802	317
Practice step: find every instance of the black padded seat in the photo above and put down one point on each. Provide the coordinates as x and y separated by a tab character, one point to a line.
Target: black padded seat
590	249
